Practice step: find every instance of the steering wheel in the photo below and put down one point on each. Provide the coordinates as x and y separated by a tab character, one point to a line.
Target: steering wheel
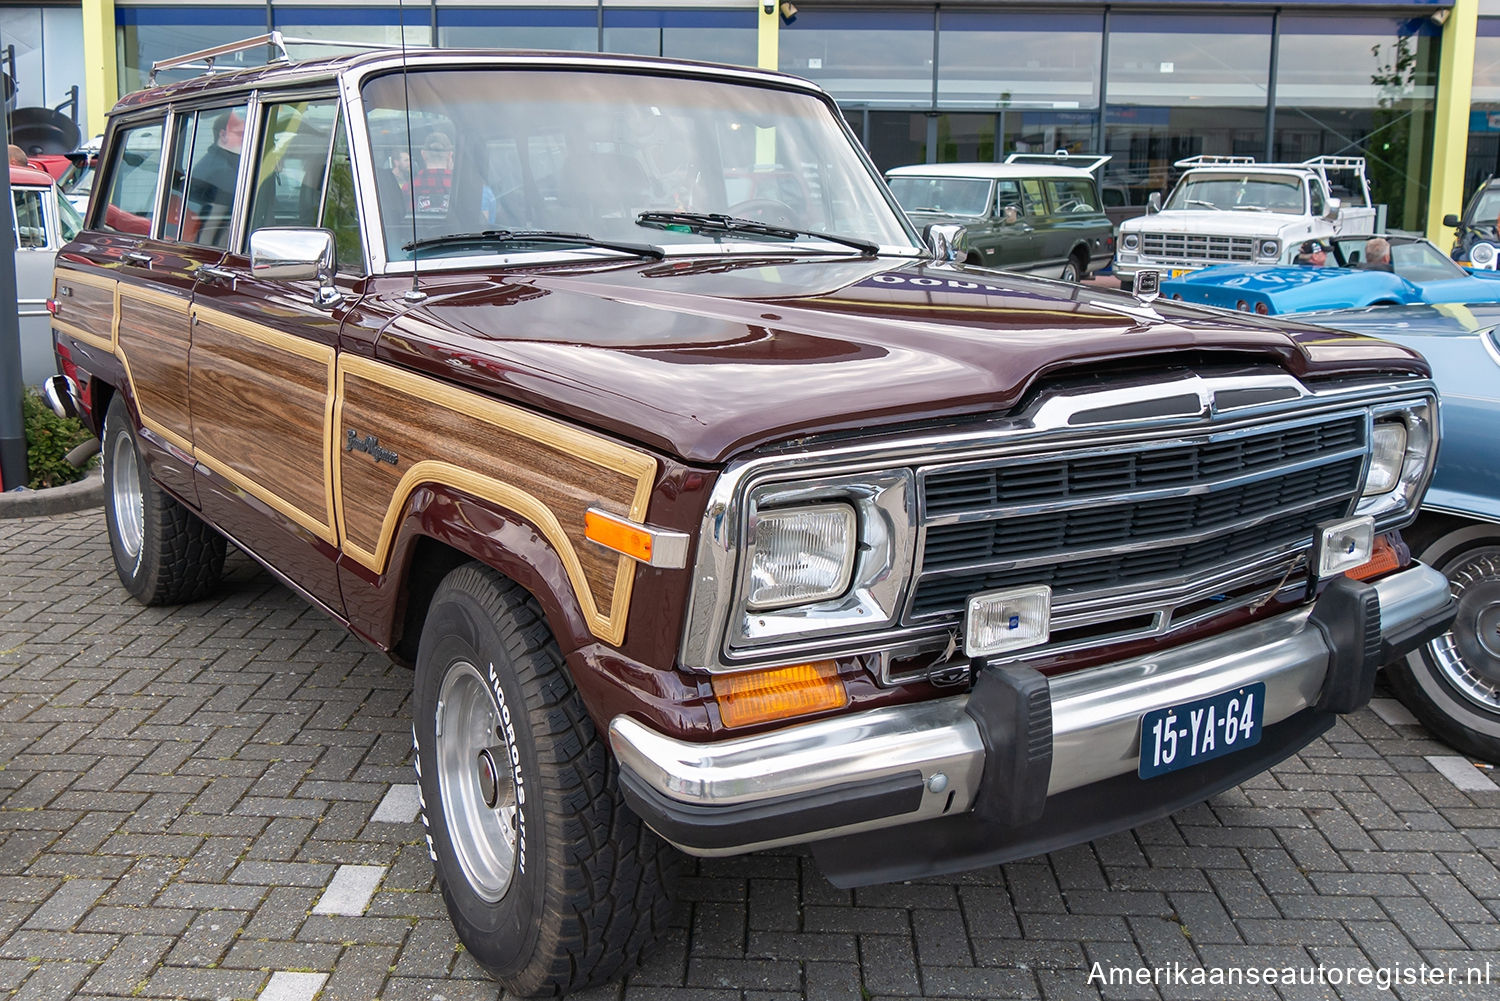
766	210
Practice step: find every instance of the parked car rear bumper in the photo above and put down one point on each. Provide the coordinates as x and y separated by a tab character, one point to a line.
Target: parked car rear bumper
927	761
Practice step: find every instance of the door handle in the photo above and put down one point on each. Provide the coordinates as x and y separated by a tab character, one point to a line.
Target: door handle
139	257
219	274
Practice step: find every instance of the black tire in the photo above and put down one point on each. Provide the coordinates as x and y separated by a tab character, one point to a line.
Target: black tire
164	554
1127	284
585	889
1076	270
1452	683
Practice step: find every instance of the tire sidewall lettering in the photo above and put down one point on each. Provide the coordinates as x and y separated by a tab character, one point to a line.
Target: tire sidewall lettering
517	775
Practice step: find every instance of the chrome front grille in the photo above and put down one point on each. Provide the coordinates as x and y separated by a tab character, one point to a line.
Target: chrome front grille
1194	247
1143	518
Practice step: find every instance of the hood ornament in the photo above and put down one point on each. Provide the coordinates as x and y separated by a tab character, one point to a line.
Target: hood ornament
1147	286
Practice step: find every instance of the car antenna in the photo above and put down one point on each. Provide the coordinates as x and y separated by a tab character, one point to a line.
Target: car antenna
413	294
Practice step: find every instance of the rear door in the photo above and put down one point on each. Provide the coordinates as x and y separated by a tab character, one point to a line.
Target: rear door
263	351
124	290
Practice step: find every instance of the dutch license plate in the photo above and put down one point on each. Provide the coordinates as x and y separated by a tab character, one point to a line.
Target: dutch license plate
1182	736
1179	272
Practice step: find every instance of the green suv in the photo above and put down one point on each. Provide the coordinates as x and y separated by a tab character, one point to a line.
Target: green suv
1046	220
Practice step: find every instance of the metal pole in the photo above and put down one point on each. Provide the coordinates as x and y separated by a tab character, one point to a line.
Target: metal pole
1271	88
12	427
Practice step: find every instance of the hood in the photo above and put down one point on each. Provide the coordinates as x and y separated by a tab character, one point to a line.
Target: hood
702	358
1199	221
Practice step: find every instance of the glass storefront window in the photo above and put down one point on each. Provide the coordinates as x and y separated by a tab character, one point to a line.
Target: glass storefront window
1366	87
567	29
1178	86
1484	108
995	60
378	24
144	35
896	138
865	56
716	36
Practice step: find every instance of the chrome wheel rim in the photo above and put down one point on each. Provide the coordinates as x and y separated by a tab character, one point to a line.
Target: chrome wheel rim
125	495
476	781
1468	656
1070	273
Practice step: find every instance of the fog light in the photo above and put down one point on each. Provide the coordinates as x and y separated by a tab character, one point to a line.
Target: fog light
1007	620
778	693
1344	545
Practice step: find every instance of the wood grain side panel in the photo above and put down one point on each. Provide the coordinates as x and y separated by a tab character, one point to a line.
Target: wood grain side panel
86	307
260	404
547	472
153	339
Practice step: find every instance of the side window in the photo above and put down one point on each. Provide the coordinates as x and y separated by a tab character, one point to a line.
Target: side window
1034	201
213	158
286	187
31	222
1319	206
1008	196
1072	196
131	200
340	212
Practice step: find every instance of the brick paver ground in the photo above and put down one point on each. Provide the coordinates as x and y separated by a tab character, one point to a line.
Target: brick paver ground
216	801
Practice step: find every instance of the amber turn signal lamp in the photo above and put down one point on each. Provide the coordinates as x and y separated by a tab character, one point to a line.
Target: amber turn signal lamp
778	692
1382	560
623	537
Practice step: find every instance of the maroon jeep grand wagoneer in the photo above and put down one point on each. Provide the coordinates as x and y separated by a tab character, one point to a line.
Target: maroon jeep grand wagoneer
618	397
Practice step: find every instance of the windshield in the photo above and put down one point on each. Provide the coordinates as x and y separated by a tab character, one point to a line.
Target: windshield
949	195
1414	260
1242	192
1485	213
69	222
587	153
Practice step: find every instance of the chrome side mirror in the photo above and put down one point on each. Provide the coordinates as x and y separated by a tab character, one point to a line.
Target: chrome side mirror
1153	203
942	240
1333	208
296	254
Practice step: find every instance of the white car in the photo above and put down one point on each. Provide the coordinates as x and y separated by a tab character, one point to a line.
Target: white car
44	222
1232	210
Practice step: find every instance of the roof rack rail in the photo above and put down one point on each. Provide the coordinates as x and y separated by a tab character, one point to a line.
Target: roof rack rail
204	59
1062	158
1337	162
1204	159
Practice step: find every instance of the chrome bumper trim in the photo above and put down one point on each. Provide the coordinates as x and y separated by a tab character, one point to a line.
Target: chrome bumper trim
1095	720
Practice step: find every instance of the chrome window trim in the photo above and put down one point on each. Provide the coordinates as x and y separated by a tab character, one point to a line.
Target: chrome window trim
1051	423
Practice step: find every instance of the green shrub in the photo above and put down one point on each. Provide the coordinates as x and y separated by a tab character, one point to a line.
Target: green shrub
49	438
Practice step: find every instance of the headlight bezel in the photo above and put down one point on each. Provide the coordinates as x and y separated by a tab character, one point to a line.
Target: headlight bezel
1268	249
1130	242
1396	506
883	504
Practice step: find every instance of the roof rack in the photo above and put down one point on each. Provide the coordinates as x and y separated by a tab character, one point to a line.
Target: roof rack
204	59
1062	158
1208	159
1337	162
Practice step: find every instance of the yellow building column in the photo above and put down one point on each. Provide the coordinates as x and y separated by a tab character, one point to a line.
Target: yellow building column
101	82
1450	133
768	55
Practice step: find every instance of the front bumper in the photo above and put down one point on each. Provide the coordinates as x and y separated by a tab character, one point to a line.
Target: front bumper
929	761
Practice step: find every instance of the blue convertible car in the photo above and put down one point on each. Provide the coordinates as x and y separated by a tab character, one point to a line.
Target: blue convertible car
1416	272
1452	684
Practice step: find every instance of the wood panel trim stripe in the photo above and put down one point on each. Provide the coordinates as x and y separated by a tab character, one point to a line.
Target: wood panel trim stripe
608	625
111	285
327	529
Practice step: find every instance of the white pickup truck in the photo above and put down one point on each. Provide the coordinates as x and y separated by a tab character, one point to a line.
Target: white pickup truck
1231	209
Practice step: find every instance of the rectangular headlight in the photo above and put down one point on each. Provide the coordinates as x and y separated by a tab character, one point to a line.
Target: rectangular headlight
1387	456
802	555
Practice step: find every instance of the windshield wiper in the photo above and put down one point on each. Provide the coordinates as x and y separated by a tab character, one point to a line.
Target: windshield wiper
1199	201
717	222
536	236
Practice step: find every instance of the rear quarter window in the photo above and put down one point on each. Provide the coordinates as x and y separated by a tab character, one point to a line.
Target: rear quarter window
1072	196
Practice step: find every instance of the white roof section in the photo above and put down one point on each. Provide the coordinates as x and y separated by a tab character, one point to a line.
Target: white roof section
986	171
